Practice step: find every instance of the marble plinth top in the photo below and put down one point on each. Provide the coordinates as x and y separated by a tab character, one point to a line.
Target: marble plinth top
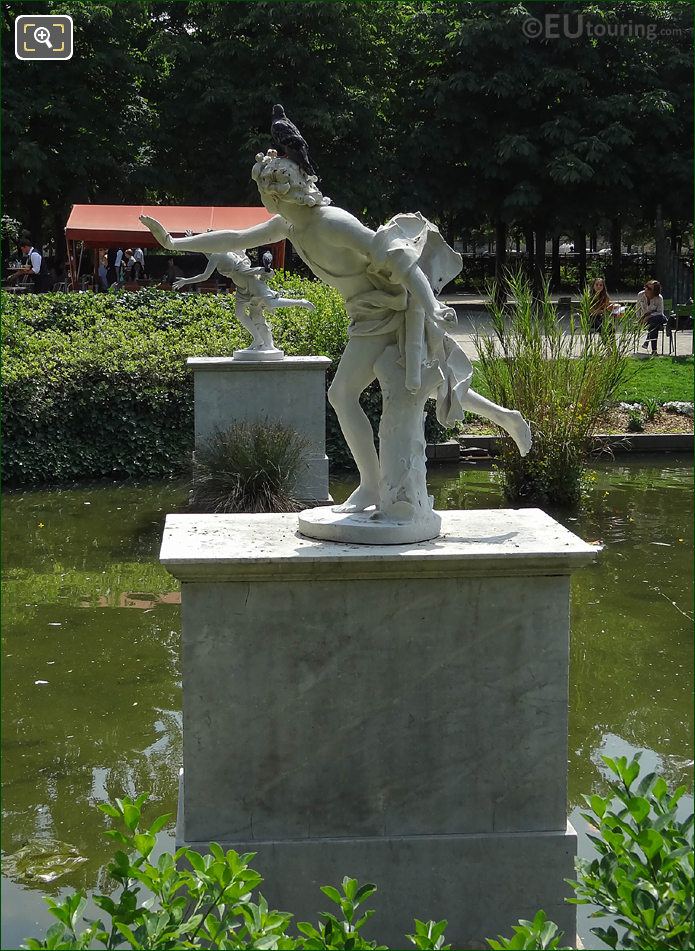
230	363
474	542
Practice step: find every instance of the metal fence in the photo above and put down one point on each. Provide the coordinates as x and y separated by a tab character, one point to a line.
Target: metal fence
635	269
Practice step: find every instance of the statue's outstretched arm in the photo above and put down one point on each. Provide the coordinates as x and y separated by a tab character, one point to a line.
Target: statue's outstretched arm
197	279
276	229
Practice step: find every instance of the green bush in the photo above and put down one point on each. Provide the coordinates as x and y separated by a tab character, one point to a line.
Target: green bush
188	900
642	877
635	421
96	385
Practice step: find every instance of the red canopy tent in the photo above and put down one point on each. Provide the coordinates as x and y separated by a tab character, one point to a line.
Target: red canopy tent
109	226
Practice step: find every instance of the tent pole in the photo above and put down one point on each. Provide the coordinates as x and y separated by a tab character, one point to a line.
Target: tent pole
71	257
79	266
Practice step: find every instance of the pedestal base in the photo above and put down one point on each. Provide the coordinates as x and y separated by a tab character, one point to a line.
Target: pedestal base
366	528
259	356
395	713
482	884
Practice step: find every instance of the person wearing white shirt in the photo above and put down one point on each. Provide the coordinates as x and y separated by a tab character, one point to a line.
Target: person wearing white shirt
650	310
139	266
30	269
33	258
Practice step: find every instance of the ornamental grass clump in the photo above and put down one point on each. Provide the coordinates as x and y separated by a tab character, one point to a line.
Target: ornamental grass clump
561	376
252	467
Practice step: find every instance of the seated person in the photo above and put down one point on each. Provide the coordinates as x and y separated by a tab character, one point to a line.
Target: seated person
32	268
650	309
601	305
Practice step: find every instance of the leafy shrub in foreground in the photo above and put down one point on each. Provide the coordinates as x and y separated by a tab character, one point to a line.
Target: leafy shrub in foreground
643	877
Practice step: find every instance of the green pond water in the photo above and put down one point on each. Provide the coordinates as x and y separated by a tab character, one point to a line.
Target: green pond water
92	680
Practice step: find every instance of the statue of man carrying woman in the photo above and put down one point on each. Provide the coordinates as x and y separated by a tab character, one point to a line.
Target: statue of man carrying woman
398	334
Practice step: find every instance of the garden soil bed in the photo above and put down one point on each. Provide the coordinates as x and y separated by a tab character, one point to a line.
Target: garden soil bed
614	423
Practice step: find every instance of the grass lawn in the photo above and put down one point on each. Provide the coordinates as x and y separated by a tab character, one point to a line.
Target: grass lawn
662	379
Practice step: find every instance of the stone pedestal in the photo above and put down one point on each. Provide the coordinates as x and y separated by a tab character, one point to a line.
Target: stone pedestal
291	390
397	714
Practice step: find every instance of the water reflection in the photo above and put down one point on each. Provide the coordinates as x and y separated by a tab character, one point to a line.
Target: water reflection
92	700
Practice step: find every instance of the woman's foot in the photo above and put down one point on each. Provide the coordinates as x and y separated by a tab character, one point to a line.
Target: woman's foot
519	430
362	498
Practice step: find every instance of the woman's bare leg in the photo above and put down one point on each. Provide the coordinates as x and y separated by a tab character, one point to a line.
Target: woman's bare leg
355	373
510	420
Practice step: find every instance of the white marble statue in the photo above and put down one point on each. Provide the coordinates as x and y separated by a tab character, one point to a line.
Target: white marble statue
397	334
253	298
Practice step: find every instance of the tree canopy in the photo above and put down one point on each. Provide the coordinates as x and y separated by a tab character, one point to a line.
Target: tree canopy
444	107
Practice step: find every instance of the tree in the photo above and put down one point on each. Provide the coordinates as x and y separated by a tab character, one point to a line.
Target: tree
442	106
77	131
228	63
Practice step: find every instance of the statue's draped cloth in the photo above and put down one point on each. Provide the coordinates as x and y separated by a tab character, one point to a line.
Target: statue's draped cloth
405	242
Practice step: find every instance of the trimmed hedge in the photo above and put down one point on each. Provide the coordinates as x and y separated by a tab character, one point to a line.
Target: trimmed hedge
96	385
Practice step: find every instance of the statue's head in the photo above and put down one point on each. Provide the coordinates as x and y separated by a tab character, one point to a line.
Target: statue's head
282	180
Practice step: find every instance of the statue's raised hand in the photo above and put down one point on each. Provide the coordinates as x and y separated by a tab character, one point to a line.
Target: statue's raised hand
159	231
179	283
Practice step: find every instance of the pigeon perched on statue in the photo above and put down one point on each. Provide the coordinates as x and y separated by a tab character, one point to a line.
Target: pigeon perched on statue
289	140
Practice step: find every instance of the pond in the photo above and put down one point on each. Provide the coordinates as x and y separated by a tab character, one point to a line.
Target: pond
91	677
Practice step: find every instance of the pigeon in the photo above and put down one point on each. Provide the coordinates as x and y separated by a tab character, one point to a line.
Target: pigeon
289	140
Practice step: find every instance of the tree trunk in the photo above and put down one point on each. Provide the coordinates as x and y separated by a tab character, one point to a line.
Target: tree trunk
593	241
661	251
59	238
35	219
580	248
616	252
676	237
555	266
528	241
539	269
500	262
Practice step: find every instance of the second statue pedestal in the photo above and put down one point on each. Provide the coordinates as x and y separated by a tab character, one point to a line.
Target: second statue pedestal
288	390
392	713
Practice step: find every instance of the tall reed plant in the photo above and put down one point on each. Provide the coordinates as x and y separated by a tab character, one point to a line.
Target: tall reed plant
561	376
251	467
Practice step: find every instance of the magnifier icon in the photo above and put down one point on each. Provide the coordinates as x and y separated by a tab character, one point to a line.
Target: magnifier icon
43	35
